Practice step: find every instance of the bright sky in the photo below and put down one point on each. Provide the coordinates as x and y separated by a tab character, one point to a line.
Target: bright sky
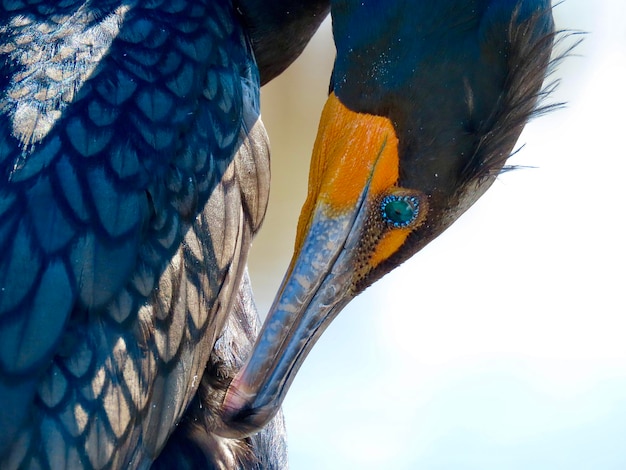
502	344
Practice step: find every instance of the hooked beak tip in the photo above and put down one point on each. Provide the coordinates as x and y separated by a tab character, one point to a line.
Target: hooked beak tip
240	415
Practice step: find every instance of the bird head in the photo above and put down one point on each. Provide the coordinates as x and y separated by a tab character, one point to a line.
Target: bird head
427	100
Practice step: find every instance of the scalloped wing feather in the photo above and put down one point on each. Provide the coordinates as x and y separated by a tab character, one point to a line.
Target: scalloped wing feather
122	235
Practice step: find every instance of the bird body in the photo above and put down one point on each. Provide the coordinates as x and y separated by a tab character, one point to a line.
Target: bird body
134	173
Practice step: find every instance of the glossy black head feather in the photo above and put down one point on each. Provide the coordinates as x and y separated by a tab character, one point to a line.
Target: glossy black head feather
523	97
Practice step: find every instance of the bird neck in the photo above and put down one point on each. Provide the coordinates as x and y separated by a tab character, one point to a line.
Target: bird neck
280	29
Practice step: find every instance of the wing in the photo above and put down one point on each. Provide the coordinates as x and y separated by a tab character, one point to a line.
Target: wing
193	444
123	232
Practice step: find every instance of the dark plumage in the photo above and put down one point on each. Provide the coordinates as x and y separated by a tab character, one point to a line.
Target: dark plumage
134	173
279	30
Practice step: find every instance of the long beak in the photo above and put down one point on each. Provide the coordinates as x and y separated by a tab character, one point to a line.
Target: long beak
354	160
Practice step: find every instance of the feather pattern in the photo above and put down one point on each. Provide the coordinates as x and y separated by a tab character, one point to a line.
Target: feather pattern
123	236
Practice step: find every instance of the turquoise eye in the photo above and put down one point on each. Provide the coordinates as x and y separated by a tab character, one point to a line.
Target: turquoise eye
399	211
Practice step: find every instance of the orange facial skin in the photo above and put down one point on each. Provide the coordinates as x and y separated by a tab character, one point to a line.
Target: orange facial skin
353	151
